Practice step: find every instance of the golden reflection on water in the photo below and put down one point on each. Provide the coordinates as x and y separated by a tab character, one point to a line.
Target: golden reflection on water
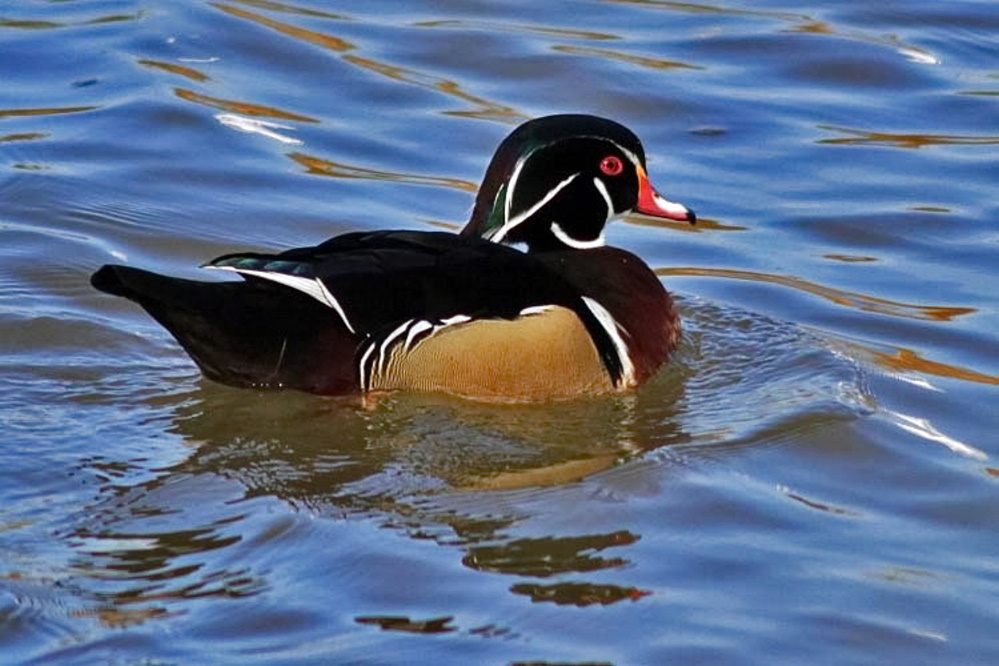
486	109
860	137
842	297
898	360
483	108
291	9
494	27
907	360
801	23
9	113
30	24
703	224
23	136
705	8
312	37
609	54
321	167
120	618
814	27
188	72
243	108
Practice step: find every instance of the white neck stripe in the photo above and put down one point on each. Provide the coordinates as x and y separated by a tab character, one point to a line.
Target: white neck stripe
602	189
566	239
511	224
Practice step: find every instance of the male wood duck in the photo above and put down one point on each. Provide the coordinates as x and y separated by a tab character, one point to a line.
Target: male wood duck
466	314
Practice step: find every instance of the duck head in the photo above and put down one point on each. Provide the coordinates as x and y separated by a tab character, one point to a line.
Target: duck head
556	181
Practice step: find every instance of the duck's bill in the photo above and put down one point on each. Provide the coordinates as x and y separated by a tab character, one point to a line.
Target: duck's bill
652	203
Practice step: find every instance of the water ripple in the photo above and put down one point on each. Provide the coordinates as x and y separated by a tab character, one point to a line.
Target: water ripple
858	137
55	111
483	108
841	297
148	514
322	167
187	72
244	108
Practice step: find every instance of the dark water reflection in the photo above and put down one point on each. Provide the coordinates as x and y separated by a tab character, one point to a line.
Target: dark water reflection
811	479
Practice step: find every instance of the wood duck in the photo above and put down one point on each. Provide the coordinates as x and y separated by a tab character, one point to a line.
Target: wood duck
468	314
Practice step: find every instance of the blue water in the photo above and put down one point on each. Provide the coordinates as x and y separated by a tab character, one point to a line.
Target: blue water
811	480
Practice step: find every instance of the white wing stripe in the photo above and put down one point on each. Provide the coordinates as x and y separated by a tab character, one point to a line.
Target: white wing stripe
415	330
614	331
602	189
335	304
314	287
535	309
383	348
456	319
364	379
372	368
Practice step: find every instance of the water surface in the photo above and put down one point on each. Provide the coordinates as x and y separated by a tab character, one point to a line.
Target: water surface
811	480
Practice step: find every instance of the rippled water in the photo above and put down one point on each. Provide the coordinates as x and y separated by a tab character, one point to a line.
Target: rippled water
811	480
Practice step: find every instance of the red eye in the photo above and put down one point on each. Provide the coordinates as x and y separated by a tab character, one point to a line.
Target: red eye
611	165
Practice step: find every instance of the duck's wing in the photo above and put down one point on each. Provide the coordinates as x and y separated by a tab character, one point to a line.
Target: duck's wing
394	286
321	318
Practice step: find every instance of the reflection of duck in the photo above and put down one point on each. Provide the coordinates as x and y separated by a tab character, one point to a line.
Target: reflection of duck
265	466
464	314
336	458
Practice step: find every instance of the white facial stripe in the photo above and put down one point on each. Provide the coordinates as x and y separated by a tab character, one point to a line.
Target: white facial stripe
566	239
627	153
314	287
511	224
614	330
602	189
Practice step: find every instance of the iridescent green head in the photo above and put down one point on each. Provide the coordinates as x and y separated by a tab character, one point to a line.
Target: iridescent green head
556	181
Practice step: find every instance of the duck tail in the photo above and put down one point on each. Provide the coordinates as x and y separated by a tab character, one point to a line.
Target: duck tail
246	334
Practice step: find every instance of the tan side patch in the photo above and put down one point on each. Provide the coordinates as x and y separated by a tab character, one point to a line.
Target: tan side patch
544	356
